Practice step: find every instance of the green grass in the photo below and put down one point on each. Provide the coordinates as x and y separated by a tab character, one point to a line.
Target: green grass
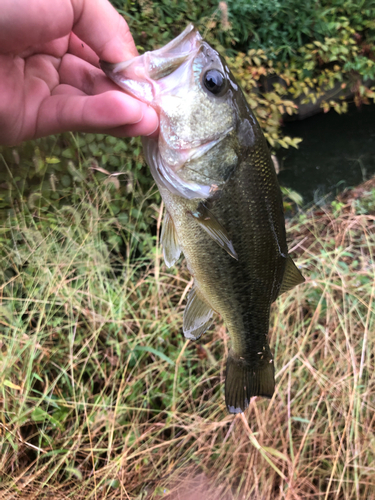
102	397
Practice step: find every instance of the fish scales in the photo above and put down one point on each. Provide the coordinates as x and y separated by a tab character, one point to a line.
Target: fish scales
231	286
224	207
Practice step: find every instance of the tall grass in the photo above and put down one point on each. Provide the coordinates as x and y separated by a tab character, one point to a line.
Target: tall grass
102	397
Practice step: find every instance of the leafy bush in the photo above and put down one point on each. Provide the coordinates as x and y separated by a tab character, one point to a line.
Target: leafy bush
278	26
283	26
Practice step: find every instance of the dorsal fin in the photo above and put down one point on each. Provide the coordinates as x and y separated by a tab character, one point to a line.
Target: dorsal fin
292	276
214	229
197	316
171	247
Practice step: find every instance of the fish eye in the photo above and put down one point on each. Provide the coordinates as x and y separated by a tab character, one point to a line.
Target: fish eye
215	82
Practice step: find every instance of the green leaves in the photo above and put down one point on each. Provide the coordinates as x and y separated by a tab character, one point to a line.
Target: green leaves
40	416
155	352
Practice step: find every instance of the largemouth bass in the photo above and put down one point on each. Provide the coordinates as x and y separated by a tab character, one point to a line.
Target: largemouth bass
223	203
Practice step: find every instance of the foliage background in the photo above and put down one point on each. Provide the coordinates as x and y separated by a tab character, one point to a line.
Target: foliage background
283	53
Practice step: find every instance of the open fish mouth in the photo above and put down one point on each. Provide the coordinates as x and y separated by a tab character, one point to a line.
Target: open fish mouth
141	76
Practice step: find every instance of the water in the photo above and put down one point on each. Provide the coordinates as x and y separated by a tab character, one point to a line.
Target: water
337	151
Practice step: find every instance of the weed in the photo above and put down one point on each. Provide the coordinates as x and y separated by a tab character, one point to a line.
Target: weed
102	397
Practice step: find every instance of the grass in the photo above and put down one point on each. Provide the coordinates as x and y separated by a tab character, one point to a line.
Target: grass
102	397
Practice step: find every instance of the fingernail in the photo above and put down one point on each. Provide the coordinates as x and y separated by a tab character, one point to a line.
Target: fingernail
151	115
141	118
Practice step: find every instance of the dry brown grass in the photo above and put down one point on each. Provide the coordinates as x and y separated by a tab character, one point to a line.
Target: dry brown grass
101	396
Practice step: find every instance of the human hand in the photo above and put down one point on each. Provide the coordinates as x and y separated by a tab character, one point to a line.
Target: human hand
50	81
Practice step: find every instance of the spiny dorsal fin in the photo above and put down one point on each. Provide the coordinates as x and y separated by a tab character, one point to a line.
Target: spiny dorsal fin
292	276
214	229
197	316
171	247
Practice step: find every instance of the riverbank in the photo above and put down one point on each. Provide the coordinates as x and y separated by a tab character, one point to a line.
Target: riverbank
103	398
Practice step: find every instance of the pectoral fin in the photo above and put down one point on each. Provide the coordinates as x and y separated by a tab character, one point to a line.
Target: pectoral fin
171	247
292	276
197	316
214	229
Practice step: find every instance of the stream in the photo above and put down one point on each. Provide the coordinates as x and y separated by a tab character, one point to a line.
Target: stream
337	151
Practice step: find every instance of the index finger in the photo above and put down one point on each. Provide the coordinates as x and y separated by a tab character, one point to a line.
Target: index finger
96	22
99	25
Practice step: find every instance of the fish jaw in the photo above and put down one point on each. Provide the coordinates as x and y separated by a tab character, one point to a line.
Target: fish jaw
141	76
168	177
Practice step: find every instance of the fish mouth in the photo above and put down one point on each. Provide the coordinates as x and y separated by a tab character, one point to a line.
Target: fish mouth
140	76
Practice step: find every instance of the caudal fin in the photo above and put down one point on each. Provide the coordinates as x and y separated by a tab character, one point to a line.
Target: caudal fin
243	381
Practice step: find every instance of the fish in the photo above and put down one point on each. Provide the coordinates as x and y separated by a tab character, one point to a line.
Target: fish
224	209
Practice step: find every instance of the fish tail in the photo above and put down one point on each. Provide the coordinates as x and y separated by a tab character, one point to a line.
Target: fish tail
245	380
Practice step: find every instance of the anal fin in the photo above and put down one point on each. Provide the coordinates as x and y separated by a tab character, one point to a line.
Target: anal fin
171	247
292	276
197	316
245	380
215	230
